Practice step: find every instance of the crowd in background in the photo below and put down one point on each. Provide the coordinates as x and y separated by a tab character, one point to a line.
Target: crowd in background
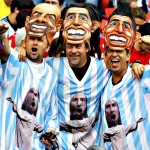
64	82
16	18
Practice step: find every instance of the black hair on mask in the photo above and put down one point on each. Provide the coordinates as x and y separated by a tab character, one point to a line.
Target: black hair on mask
124	9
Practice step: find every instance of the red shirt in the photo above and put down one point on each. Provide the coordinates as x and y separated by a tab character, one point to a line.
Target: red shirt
138	55
101	45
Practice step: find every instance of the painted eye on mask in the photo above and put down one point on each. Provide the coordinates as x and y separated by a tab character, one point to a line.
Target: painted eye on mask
70	17
127	26
84	18
114	23
36	15
51	17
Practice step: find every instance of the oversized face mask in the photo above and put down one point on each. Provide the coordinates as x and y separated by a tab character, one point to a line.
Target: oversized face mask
119	33
77	26
43	20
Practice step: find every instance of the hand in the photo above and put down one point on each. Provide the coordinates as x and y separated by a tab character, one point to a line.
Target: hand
9	99
21	53
49	142
3	27
137	70
145	43
141	119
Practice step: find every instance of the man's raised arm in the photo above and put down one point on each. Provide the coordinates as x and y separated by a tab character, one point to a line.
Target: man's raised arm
4	45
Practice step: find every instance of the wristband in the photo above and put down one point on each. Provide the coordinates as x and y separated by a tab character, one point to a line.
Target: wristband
137	61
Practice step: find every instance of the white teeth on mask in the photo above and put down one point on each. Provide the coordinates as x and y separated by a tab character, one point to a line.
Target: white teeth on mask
79	32
39	27
116	38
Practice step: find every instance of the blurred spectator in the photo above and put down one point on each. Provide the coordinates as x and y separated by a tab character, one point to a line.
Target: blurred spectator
114	3
146	5
36	2
140	16
16	19
55	2
136	3
141	50
5	8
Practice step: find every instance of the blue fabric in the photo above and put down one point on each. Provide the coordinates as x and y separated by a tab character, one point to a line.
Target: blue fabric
1	77
20	77
133	98
91	85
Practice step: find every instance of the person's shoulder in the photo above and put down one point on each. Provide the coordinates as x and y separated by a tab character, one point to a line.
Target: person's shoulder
51	71
49	67
147	68
146	74
13	58
97	61
4	19
14	52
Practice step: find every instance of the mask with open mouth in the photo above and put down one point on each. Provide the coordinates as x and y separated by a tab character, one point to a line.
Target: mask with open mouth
119	33
43	21
78	26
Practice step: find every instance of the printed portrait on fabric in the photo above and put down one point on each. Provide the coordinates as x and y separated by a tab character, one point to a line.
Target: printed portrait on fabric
117	130
80	125
26	119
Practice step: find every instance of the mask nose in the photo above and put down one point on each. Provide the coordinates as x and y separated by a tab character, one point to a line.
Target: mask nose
119	27
42	18
76	20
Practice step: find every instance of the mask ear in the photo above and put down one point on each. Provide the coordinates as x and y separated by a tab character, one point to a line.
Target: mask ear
59	24
26	23
95	25
137	36
27	18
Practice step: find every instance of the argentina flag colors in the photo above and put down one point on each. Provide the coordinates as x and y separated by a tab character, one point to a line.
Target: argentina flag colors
133	99
10	34
91	85
1	77
20	79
